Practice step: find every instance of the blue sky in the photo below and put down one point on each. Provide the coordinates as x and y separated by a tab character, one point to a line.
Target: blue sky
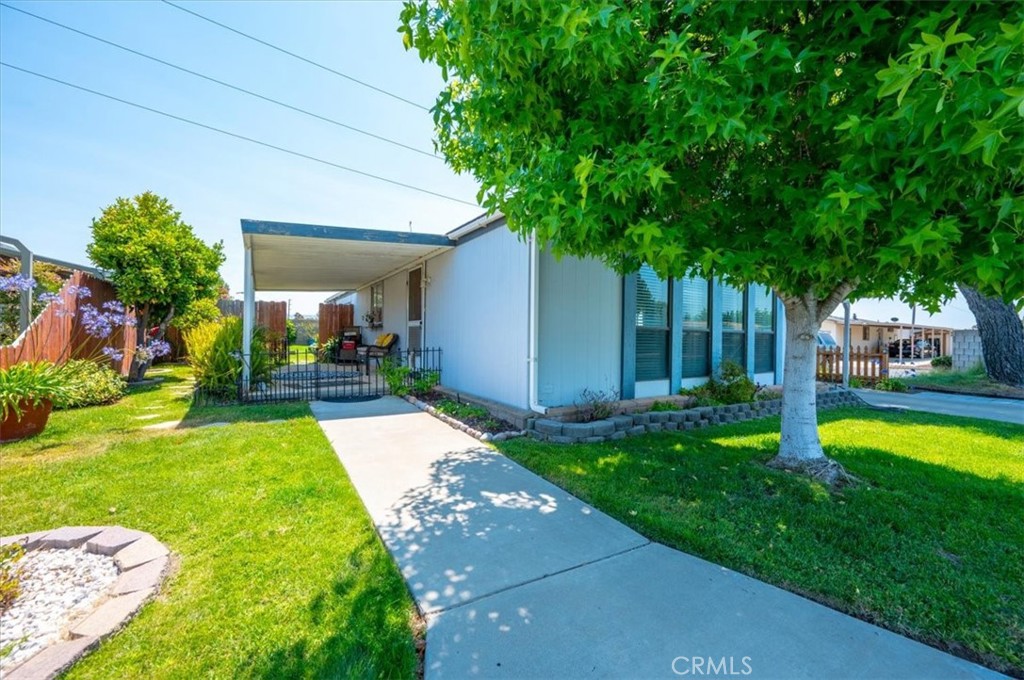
65	154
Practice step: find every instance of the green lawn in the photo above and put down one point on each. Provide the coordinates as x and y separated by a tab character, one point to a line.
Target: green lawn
279	573
930	544
975	381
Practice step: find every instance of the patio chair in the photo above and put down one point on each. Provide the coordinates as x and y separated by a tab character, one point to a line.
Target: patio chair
380	348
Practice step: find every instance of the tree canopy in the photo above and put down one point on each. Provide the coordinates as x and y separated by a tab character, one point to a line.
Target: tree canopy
156	262
824	149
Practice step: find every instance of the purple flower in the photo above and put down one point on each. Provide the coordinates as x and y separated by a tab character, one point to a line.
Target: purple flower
18	283
79	291
159	348
113	353
114	306
47	298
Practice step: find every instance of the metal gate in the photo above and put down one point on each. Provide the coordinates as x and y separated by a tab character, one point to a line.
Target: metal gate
305	374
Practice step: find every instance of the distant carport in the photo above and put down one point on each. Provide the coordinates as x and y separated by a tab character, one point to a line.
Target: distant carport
309	257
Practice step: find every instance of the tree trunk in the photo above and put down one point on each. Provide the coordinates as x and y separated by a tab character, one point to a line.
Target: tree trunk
1002	336
137	371
799	446
799	442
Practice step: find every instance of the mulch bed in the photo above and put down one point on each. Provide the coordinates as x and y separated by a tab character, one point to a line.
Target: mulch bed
490	424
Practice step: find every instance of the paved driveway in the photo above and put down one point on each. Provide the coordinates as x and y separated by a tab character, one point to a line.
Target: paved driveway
1007	410
519	579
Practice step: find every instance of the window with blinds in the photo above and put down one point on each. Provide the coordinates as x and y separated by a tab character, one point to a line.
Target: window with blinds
652	326
733	316
696	326
764	329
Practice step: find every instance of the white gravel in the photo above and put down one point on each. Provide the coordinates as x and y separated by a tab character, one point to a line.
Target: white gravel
57	586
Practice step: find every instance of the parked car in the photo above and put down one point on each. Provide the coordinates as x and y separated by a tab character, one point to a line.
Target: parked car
922	349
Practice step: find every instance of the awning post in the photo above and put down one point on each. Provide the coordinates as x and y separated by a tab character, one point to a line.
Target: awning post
248	314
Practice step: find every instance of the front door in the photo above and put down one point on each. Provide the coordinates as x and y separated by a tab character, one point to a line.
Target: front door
415	338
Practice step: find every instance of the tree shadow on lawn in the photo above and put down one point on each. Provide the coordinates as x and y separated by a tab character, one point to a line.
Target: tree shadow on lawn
359	625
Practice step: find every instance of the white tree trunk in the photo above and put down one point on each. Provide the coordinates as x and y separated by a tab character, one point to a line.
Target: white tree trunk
799	443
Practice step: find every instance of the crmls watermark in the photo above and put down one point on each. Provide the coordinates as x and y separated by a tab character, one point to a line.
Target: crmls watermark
709	665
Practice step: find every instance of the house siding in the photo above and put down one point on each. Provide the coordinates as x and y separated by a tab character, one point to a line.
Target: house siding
580	317
477	310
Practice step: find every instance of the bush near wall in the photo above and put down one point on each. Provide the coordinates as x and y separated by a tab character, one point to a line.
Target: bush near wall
89	384
215	353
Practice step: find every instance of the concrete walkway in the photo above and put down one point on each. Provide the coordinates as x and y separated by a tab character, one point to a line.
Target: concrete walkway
989	408
519	579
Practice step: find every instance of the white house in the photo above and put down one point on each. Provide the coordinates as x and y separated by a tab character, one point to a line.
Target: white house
516	325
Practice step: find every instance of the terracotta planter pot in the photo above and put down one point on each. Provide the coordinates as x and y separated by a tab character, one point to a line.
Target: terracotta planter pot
33	420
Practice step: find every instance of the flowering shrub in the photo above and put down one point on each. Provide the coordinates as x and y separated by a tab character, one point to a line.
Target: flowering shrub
11	287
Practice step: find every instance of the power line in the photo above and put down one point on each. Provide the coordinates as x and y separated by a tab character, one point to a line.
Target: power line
236	135
221	82
295	56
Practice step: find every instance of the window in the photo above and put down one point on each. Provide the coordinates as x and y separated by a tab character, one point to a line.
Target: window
734	316
764	329
696	326
377	303
652	326
866	335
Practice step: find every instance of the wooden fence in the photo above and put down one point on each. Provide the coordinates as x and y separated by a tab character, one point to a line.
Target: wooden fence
58	333
333	318
271	316
868	366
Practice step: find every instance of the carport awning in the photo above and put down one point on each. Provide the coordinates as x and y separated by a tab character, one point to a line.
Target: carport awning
310	257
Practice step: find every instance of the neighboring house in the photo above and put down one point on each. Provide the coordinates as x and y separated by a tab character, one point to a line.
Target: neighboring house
515	324
874	336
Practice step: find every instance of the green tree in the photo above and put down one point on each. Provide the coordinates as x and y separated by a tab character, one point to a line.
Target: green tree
828	150
157	265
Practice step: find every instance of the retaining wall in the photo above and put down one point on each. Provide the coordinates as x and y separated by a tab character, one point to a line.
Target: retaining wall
629	425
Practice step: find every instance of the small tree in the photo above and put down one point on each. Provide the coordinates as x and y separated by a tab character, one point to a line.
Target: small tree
157	265
828	150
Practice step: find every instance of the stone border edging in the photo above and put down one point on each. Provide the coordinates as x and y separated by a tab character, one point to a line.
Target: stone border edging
459	425
631	425
142	564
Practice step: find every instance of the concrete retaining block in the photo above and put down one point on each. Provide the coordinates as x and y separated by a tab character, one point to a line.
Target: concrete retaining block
548	427
578	430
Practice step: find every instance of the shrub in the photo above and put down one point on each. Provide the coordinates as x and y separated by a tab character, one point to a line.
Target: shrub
424	381
733	386
892	385
30	381
945	361
663	406
396	376
596	404
215	353
89	384
10	574
855	382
